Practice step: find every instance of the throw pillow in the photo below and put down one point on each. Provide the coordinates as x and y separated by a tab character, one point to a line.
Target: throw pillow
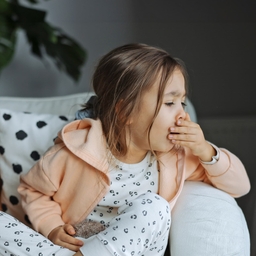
24	137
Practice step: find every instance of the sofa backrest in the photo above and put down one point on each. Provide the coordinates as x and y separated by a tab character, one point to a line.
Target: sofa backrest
60	105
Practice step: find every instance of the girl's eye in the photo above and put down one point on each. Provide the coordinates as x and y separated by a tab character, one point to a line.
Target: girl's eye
183	104
172	103
169	104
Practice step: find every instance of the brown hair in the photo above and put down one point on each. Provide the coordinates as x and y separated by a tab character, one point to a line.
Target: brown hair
119	81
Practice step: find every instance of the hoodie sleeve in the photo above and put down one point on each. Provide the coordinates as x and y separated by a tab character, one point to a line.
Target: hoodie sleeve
36	190
227	174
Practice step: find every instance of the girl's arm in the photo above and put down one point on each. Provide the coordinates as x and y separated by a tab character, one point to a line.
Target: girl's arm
227	173
37	190
208	163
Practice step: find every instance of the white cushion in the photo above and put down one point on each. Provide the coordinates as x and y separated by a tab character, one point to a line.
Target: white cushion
60	105
24	137
18	155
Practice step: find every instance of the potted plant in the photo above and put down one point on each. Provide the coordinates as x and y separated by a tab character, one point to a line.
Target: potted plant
44	39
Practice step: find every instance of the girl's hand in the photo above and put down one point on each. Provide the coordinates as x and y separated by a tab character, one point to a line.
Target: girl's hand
190	135
63	236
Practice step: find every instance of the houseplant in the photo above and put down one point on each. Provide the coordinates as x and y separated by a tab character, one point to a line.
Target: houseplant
44	39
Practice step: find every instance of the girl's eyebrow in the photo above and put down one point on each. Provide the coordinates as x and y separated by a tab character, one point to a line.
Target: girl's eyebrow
175	94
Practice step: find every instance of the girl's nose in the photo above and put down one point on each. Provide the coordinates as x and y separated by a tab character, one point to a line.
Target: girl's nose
181	114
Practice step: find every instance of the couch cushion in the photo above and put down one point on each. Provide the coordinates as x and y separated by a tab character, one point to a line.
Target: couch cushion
24	137
59	105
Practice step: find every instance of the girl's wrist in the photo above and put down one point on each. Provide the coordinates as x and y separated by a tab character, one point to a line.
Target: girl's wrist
213	157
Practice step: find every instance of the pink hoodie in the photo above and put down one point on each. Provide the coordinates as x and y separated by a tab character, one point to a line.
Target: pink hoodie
69	180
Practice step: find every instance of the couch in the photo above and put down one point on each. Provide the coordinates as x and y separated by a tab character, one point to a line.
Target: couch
238	134
28	127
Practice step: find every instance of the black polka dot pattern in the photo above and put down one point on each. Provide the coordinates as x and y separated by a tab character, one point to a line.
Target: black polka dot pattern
25	136
41	124
64	118
35	155
21	135
2	150
14	200
17	168
7	117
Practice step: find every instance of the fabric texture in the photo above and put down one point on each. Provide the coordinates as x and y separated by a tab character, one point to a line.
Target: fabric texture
207	221
141	228
17	239
24	137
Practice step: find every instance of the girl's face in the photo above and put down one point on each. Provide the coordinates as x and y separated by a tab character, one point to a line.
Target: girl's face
172	109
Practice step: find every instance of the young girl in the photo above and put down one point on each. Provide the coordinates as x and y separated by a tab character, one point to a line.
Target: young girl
125	166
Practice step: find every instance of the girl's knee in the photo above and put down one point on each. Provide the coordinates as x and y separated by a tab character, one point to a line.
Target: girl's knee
145	220
156	204
149	200
148	206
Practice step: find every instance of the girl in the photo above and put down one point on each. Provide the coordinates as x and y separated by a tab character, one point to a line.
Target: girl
125	166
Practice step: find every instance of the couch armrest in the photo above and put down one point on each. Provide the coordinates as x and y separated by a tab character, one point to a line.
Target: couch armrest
238	134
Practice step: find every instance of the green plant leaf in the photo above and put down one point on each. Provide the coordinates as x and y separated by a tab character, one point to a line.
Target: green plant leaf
4	7
66	53
7	42
26	15
43	38
34	1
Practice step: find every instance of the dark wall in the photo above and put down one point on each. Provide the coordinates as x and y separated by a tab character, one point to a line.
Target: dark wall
216	39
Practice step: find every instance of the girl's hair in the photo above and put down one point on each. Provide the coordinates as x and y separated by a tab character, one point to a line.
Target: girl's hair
119	81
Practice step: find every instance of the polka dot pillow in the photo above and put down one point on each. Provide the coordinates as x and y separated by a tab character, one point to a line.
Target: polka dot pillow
24	137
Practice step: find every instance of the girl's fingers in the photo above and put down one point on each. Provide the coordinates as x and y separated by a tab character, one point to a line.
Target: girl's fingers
71	243
183	130
183	137
69	229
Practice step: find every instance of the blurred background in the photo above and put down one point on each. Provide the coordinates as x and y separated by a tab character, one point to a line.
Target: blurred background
216	40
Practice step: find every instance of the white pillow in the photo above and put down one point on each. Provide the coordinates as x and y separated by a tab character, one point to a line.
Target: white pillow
24	137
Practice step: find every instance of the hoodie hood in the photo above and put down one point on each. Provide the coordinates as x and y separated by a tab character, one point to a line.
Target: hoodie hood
85	139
